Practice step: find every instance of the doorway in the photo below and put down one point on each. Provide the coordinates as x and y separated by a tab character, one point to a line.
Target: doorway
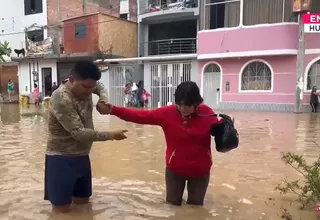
46	81
211	85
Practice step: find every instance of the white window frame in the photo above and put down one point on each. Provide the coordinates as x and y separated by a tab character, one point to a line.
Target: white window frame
241	14
255	91
219	3
282	19
308	67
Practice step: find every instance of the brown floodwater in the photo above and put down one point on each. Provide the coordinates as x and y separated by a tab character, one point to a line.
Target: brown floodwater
128	176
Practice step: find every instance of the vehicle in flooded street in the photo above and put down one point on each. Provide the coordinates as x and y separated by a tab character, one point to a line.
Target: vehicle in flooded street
128	176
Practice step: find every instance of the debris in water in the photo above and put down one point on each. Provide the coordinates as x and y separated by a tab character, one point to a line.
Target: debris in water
32	114
245	201
229	186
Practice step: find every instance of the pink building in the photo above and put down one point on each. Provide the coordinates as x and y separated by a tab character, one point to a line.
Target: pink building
253	65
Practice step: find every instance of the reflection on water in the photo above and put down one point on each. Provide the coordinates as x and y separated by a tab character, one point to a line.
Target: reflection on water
129	175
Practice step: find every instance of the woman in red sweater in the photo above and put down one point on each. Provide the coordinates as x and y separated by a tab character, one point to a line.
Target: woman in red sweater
186	127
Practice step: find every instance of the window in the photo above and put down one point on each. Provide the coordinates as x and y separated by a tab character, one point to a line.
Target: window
314	76
32	7
212	69
266	12
221	13
256	76
35	35
124	16
80	31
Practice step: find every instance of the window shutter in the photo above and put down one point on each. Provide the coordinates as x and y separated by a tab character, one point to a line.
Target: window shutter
27	7
39	6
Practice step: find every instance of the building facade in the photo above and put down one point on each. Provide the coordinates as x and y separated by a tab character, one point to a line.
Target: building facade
59	11
242	53
168	40
20	22
74	30
167	51
247	59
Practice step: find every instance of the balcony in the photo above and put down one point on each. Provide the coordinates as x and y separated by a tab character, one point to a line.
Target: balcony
170	46
259	40
167	10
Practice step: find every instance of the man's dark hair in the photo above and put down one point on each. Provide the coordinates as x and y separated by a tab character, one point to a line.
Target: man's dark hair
188	93
86	70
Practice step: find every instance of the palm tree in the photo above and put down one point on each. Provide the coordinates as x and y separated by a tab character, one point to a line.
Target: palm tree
5	50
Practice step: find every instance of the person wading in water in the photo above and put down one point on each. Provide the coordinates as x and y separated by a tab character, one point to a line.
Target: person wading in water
71	133
314	99
188	140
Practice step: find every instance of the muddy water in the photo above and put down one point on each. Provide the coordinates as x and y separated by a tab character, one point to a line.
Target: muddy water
129	175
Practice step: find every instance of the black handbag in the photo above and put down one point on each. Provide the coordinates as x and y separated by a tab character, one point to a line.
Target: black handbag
225	135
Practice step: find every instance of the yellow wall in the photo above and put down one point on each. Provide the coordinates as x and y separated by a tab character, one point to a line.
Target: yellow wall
118	35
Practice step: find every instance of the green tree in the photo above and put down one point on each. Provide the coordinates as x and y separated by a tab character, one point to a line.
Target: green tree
4	50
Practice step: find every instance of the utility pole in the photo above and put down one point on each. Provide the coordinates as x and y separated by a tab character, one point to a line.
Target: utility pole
300	63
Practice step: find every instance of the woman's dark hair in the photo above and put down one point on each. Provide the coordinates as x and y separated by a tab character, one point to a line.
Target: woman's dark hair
35	85
188	93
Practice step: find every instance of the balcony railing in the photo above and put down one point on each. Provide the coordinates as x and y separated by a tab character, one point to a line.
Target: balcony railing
158	5
170	46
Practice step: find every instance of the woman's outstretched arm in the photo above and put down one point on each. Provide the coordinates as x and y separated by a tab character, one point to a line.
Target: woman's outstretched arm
141	116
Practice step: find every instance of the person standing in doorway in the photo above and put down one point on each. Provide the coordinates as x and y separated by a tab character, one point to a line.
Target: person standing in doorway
314	99
36	94
143	95
127	94
145	98
10	90
139	94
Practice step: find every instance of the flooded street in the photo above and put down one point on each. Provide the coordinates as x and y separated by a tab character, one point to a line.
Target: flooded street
128	176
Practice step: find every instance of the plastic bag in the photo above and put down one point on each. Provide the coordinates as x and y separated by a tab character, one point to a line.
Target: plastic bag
225	135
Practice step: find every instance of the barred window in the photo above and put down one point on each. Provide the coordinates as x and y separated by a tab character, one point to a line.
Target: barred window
256	76
314	76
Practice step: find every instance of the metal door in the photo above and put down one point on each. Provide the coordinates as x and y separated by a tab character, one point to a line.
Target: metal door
164	81
117	81
211	85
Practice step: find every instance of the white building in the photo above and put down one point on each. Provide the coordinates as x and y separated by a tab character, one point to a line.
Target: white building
167	53
28	19
20	19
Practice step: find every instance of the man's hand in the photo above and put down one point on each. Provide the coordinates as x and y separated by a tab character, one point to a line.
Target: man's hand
104	108
117	135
